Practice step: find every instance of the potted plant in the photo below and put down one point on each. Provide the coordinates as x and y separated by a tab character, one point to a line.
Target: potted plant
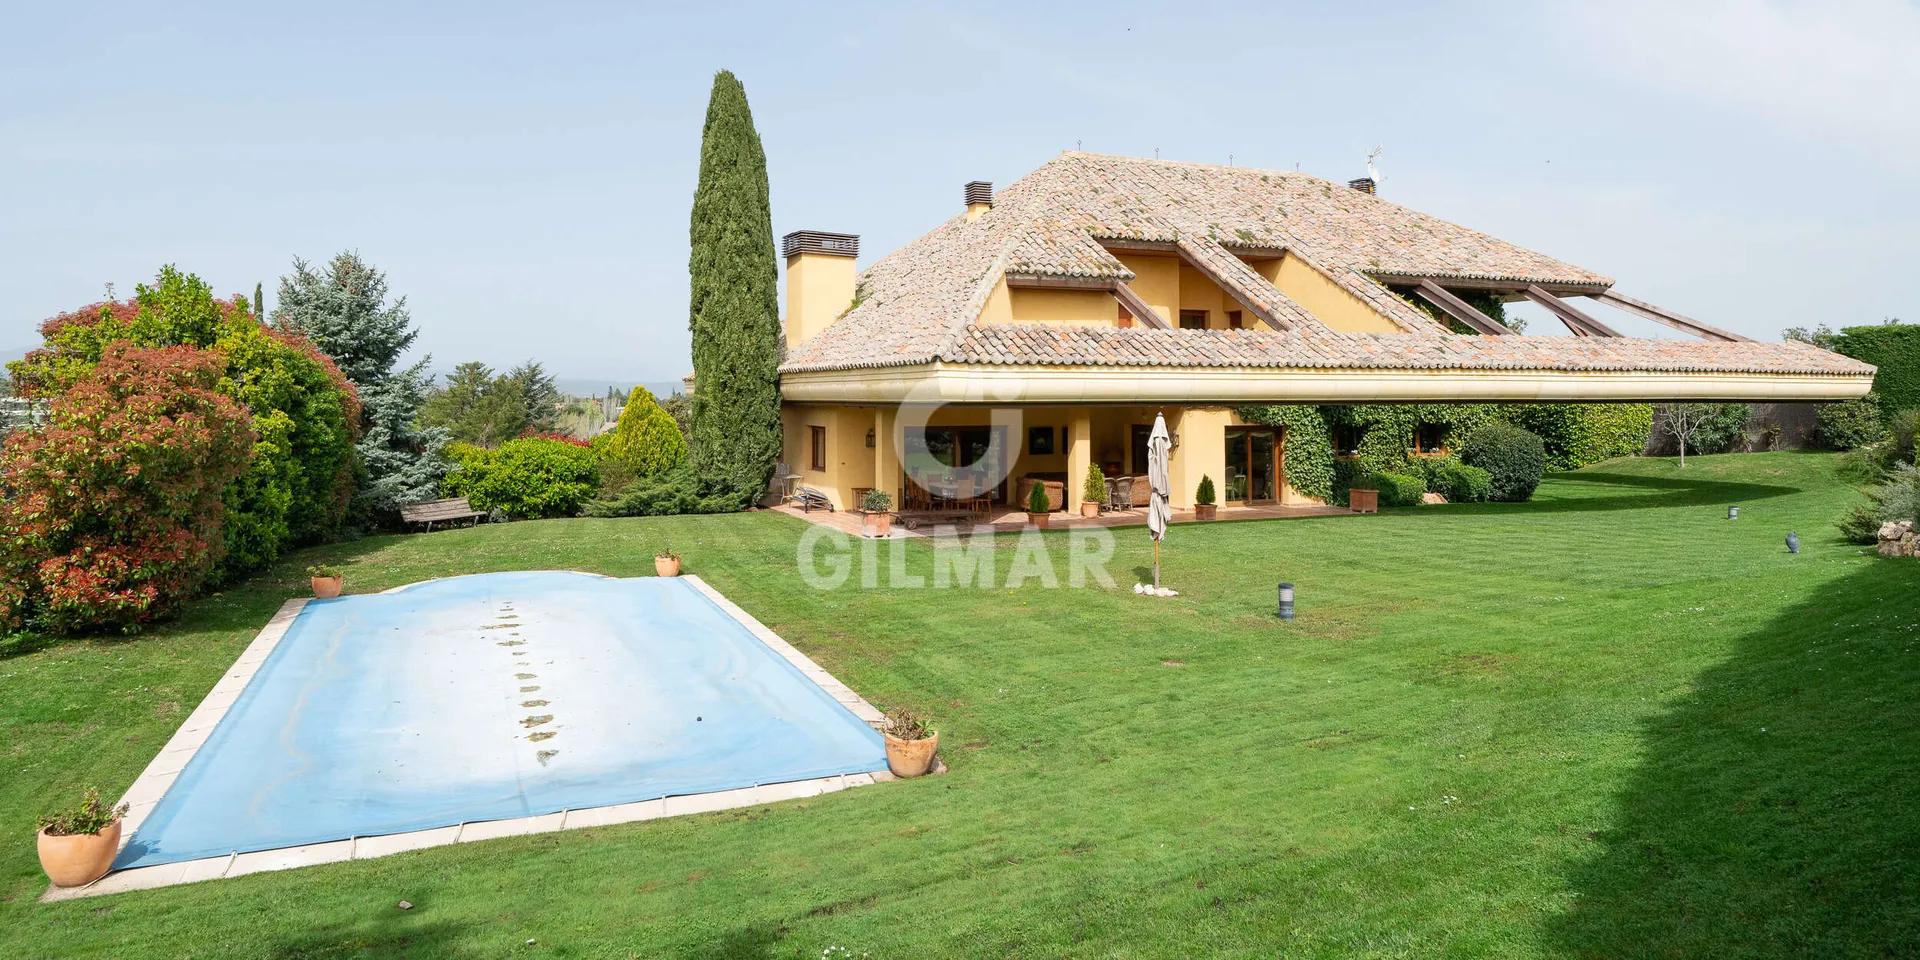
1037	506
326	580
1094	492
910	744
876	513
77	845
1203	506
666	563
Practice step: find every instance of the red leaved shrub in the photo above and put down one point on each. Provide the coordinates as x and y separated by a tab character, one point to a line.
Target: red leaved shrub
110	512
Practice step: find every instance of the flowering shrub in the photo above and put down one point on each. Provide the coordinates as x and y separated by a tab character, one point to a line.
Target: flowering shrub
110	512
555	437
528	478
305	414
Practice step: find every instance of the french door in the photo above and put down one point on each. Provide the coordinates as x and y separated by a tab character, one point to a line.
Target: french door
1253	465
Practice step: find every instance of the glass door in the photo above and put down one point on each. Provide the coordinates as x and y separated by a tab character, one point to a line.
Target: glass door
1252	465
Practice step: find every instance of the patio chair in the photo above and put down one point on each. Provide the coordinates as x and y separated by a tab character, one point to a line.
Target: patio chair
1122	496
967	497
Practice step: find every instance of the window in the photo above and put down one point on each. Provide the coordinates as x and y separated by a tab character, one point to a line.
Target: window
1234	321
819	437
1039	441
1193	319
1429	439
1346	440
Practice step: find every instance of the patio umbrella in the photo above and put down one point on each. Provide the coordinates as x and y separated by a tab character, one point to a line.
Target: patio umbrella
1158	509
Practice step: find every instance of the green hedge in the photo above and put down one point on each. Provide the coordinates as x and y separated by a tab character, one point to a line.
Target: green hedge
1850	423
1396	489
1515	458
1895	349
529	478
1577	434
1461	483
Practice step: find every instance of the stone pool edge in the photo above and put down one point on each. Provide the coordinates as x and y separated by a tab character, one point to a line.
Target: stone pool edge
153	782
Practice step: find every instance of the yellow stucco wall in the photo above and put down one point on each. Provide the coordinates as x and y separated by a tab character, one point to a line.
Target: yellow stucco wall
1098	434
1028	305
1326	300
1156	281
850	462
819	289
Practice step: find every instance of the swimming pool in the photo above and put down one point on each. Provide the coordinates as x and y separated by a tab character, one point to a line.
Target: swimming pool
498	696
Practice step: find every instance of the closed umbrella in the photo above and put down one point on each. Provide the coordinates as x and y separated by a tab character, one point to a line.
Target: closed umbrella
1159	508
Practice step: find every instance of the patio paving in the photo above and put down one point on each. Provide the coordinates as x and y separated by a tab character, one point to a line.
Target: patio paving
1003	520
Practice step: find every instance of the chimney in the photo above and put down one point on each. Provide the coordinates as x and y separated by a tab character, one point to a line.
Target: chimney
979	198
1363	184
820	279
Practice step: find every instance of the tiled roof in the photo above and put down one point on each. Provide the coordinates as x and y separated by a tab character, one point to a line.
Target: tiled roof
1064	345
919	303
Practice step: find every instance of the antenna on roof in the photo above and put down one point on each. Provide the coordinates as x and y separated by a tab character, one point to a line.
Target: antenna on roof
1156	153
1373	173
1229	159
1076	144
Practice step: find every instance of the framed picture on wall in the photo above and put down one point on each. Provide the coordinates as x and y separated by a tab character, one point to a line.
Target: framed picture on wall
1039	441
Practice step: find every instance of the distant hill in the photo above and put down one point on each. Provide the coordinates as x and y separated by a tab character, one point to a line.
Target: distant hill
589	387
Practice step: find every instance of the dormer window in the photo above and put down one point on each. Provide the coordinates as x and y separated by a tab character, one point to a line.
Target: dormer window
1193	319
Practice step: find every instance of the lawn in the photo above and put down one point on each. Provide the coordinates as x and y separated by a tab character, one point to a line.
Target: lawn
1609	723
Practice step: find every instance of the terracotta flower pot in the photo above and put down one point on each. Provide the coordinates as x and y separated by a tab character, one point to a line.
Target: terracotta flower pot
911	758
1205	511
877	523
1089	509
1037	519
666	566
81	859
326	588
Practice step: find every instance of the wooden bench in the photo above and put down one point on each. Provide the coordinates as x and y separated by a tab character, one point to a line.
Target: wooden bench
440	511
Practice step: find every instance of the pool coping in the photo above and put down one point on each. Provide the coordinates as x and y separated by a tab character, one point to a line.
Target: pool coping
153	782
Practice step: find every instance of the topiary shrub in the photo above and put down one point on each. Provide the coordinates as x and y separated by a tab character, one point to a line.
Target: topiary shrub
1204	495
110	512
1037	499
1396	489
528	478
1094	490
1461	483
1515	459
1849	424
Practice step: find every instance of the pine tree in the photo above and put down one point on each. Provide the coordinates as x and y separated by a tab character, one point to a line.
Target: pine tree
733	314
538	394
343	309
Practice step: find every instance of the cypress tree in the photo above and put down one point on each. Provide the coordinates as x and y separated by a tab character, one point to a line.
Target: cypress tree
733	314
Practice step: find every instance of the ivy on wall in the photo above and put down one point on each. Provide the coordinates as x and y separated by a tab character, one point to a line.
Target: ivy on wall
1574	434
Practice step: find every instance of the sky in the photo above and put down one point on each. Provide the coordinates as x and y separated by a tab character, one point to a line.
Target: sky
524	172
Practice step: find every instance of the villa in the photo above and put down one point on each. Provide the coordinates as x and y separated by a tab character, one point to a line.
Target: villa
1039	331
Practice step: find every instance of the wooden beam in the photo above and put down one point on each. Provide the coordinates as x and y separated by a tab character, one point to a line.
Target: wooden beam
1509	287
1460	309
1580	323
1138	307
1659	315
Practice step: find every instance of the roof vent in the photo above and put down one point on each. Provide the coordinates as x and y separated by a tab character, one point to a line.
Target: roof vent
1363	184
819	241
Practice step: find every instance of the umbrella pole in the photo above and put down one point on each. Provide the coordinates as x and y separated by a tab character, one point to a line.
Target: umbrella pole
1156	564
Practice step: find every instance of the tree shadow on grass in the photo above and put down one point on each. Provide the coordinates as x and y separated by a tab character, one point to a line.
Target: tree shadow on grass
1776	812
1649	492
391	933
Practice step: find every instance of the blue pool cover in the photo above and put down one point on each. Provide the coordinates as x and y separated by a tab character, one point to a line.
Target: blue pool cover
496	696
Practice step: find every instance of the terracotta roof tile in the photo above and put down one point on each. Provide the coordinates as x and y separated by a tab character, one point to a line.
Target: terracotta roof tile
918	304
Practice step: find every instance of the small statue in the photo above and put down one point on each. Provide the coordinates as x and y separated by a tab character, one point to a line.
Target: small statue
1793	542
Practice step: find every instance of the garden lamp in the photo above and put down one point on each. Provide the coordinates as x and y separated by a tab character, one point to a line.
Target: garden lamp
1286	601
1733	513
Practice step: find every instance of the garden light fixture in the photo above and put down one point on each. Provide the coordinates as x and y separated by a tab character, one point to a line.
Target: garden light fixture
1286	601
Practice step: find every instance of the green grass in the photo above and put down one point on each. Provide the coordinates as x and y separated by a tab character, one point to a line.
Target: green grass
1609	723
